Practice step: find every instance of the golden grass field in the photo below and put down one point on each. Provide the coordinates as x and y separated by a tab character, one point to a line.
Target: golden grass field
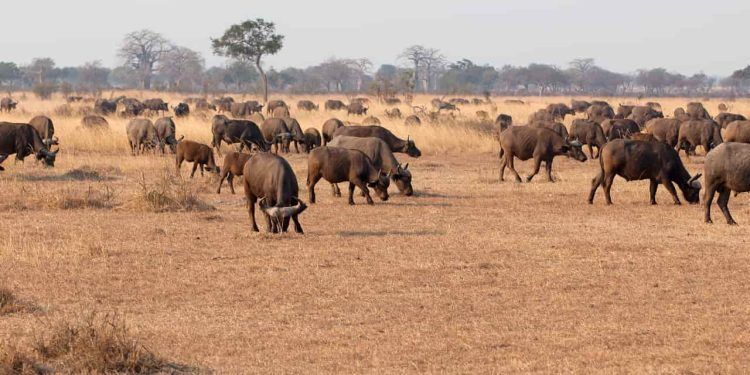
470	275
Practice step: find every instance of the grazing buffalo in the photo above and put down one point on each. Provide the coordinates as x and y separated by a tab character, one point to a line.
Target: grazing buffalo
381	157
23	140
356	108
273	104
196	153
234	163
7	104
396	144
335	165
165	133
619	128
306	105
156	105
105	107
202	104
281	112
244	132
664	129
551	125
335	105
738	131
642	160
477	101
599	112
182	110
298	137
271	179
329	127
642	114
312	139
727	169
503	122
94	122
393	113
726	118
541	115
141	135
371	120
46	129
723	107
680	114
559	111
277	134
588	133
223	104
706	133
131	107
541	144
654	105
440	105
696	111
458	101
579	106
392	101
412	120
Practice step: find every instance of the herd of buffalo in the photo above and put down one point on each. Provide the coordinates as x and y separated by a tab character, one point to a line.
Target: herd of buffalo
634	142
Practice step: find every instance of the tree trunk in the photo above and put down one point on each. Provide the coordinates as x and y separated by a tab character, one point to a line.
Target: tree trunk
264	77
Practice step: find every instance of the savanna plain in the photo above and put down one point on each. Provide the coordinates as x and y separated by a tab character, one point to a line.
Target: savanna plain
469	275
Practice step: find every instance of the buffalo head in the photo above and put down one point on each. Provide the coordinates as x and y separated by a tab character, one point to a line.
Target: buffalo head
411	149
381	185
402	179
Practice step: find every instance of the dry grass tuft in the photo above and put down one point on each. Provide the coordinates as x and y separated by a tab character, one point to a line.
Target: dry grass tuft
10	304
15	362
169	193
91	198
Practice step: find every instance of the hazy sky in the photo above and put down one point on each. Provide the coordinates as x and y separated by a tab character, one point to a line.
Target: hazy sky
683	36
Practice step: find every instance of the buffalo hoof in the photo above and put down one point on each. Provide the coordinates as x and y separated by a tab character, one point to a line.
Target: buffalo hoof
709	221
731	222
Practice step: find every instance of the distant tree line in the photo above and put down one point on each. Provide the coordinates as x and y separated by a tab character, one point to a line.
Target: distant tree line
149	61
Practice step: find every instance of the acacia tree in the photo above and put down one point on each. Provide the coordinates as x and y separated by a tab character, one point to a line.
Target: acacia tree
142	50
250	41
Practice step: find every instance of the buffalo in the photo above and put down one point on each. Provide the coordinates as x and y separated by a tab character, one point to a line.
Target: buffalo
696	111
556	127
273	104
579	106
664	129
619	128
182	110
642	114
165	133
196	153
706	133
356	108
335	165
234	163
244	132
271	179
329	128
393	113
334	105
599	112
298	137
541	144
7	104
155	105
396	144
141	135
412	120
726	118
642	160
23	140
94	122
727	169
559	110
46	129
277	134
312	139
105	107
738	131
306	105
588	133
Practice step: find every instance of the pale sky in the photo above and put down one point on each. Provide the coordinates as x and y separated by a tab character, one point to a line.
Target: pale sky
682	36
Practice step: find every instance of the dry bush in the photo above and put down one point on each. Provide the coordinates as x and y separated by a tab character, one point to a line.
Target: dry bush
64	110
92	198
16	362
169	193
10	304
98	344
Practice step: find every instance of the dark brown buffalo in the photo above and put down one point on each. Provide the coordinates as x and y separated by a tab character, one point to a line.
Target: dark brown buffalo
312	140
727	169
234	163
271	179
166	133
94	122
541	116
156	105
726	118
244	132
541	144
335	165
329	127
273	104
298	137
306	105
559	110
381	157
664	129
277	134
458	101
23	140
642	137
141	135
46	129
105	107
601	103
624	110
619	128
202	104
196	153
599	112
738	131
680	114
334	105
643	160
356	108
371	120
244	109
642	114
182	110
131	107
706	133
223	104
503	122
579	106
696	111
556	127
281	112
396	144
7	104
588	133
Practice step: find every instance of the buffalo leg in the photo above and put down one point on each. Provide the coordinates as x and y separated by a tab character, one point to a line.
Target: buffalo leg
608	180
537	165
653	185
217	145
723	202
251	207
224	174
202	169
195	166
548	169
509	160
230	181
336	190
271	226
311	181
179	164
708	200
285	224
2	159
351	193
503	162
670	188
297	225
591	150
362	186
595	183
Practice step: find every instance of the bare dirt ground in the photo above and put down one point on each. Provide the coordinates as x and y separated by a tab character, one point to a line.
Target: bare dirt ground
470	275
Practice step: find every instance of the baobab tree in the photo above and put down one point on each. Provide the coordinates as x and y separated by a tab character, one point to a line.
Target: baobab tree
250	41
142	50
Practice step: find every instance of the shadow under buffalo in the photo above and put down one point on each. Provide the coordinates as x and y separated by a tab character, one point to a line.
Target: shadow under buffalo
71	175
